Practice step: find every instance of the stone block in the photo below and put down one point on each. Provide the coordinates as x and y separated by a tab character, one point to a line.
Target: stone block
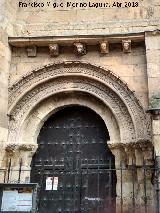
152	42
3	134
153	70
154	85
156	127
138	84
153	56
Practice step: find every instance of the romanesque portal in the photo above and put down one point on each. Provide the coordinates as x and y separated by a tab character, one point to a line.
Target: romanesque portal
122	137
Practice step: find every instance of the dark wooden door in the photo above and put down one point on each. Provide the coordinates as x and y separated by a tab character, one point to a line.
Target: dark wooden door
72	149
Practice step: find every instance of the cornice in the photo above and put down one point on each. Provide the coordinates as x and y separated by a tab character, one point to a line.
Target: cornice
70	40
153	33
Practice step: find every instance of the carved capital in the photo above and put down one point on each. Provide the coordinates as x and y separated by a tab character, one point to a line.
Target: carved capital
104	47
54	50
119	153
26	153
126	44
11	148
80	48
115	145
145	145
31	51
133	152
28	147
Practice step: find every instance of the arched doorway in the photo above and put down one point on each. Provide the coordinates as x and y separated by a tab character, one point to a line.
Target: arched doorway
74	157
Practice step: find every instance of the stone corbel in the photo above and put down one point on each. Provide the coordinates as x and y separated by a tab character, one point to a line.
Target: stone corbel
126	44
104	47
31	51
54	50
80	49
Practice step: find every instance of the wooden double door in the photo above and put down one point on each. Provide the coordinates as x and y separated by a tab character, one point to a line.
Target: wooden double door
73	164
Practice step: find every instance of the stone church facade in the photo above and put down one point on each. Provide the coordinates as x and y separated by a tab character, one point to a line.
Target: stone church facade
105	59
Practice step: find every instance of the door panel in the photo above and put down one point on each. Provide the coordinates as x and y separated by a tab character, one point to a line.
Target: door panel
73	147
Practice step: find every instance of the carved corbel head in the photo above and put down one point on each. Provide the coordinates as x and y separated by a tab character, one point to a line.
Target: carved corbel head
80	49
104	47
31	51
54	50
126	44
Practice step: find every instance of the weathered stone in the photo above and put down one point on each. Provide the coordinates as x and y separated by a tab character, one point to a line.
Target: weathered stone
120	92
31	51
54	50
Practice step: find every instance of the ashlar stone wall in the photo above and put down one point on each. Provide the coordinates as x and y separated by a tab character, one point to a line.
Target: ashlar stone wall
78	20
129	67
7	18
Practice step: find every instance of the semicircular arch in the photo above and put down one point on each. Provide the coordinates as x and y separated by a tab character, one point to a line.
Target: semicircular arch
35	120
102	84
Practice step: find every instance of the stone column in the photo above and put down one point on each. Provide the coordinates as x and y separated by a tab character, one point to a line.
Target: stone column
2	163
26	153
20	156
118	151
130	175
146	172
12	163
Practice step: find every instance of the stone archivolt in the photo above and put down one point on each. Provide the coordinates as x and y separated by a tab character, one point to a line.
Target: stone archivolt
75	76
42	92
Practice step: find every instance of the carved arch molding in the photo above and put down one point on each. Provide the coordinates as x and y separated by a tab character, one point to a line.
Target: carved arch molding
74	77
